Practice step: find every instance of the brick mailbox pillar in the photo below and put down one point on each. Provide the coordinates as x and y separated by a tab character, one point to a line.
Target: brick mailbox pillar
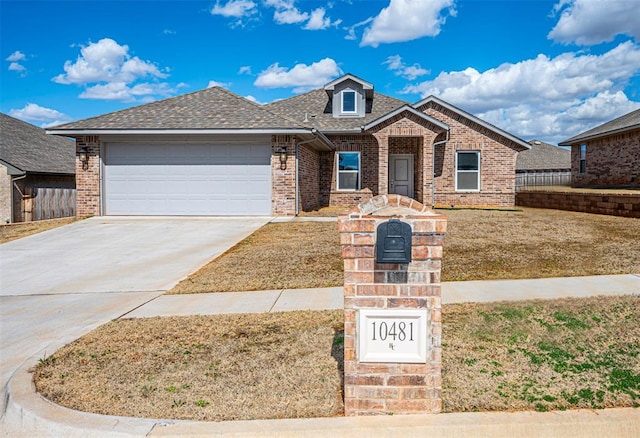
392	310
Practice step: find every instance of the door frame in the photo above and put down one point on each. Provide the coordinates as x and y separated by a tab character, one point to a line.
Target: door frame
412	175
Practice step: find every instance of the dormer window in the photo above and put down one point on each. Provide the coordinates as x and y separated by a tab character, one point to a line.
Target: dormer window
349	102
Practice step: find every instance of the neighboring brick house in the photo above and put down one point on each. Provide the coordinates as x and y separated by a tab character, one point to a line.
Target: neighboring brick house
543	165
607	155
34	167
215	153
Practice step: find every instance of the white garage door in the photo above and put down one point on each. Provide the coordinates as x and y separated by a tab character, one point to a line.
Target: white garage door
187	179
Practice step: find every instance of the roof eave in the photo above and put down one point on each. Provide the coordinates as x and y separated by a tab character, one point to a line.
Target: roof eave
574	140
473	118
74	132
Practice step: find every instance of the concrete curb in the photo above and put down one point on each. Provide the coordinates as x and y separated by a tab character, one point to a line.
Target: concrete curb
29	414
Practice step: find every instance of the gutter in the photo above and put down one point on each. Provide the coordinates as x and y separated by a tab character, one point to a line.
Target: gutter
73	132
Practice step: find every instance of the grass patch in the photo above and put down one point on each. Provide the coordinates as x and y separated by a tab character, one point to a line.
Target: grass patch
290	365
226	367
278	256
15	231
542	355
479	245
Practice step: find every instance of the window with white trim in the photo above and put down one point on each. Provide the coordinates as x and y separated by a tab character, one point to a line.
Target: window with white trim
348	102
348	171
468	171
583	158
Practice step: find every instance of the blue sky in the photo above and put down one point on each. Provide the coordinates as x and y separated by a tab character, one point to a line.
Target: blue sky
539	69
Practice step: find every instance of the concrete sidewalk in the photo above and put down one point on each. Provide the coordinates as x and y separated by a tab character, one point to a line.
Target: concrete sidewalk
28	414
332	298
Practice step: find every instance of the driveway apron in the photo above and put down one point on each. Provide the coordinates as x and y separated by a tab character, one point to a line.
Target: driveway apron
57	285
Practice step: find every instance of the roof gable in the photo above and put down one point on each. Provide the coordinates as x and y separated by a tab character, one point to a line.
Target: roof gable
366	86
406	108
28	148
210	109
474	119
621	124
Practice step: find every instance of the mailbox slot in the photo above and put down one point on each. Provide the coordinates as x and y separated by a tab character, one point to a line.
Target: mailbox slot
393	242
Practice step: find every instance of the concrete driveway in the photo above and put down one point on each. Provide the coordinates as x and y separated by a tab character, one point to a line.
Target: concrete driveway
57	285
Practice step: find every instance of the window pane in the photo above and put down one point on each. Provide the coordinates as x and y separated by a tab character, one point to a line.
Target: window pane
348	161
468	161
468	181
348	181
583	151
348	101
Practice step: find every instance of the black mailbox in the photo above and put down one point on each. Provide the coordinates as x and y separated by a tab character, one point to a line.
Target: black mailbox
393	242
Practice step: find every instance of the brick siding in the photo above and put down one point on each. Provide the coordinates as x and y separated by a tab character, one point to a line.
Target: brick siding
627	205
283	181
372	388
88	180
308	178
611	161
5	194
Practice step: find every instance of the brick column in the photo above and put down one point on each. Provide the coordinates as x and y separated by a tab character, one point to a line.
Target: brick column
389	387
88	180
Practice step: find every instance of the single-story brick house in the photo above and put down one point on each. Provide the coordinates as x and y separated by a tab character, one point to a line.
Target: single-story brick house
607	155
36	169
212	152
543	165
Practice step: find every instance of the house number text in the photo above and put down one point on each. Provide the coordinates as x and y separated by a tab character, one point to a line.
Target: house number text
397	335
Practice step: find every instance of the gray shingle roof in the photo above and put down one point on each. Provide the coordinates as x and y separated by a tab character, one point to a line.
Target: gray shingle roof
317	107
29	148
212	108
624	123
543	156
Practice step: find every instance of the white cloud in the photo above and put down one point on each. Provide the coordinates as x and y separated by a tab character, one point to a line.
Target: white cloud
16	56
290	16
234	8
406	20
351	30
253	99
245	69
34	113
587	22
557	97
286	12
121	91
218	84
109	72
317	20
303	77
169	32
14	66
411	72
106	61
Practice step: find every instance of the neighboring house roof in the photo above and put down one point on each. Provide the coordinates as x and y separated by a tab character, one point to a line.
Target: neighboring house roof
210	109
622	124
543	156
469	116
27	148
314	109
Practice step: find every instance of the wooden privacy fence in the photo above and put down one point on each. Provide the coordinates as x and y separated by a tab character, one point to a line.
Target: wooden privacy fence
52	203
530	180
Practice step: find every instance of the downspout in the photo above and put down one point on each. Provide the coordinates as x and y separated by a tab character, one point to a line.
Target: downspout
13	184
314	131
433	168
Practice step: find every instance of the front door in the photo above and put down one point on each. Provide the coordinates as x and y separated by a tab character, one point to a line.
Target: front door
401	174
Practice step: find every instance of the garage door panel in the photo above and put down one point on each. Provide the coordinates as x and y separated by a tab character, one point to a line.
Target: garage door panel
187	179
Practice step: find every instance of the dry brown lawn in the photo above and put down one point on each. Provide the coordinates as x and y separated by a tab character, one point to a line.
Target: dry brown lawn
534	355
479	245
15	231
290	255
